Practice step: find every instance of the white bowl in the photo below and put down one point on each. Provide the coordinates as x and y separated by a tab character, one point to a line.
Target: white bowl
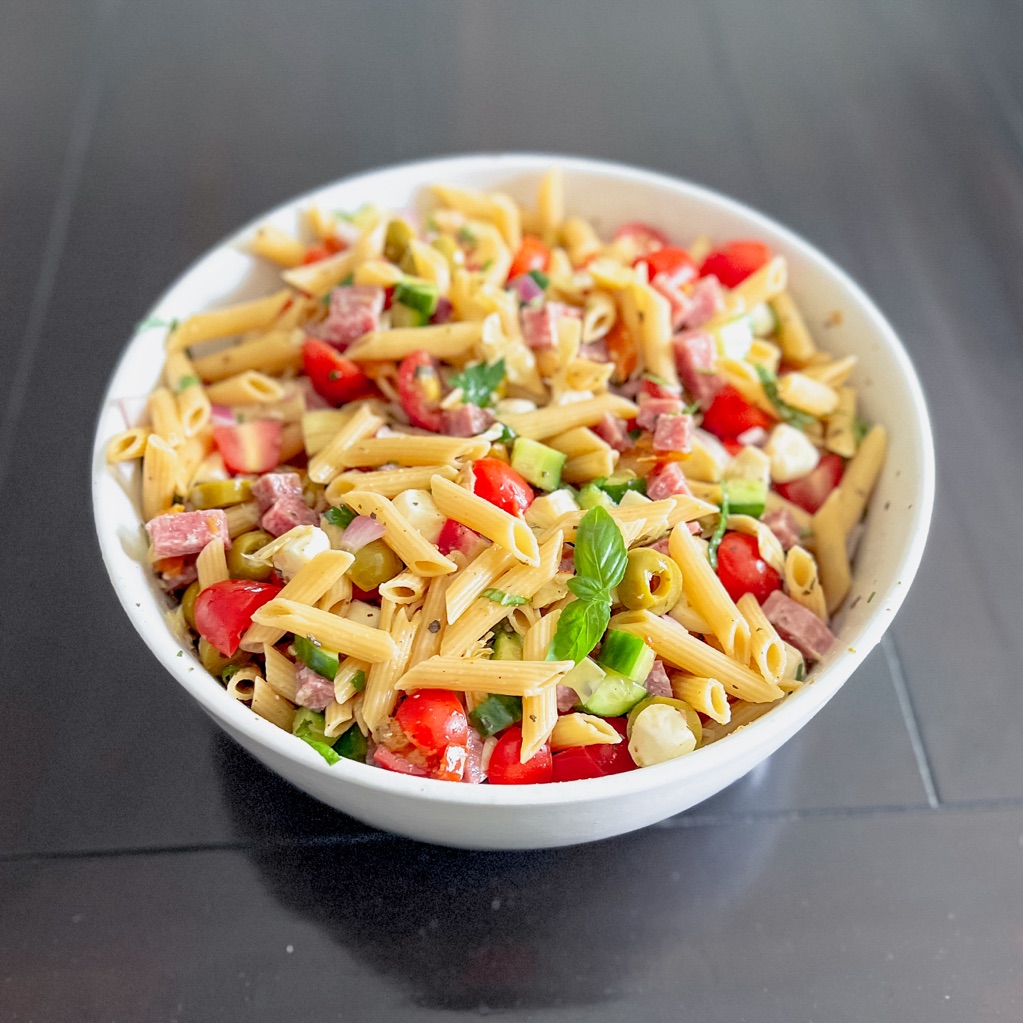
513	817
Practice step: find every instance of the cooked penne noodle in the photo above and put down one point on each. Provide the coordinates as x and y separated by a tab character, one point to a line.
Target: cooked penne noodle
557	419
242	684
350	679
271	705
766	646
840	428
338	718
278	246
805	393
550	204
211	565
164	419
405	588
505	529
229	321
582	730
330	459
802	583
160	472
381	692
539	713
271	354
247	386
242	517
415	450
479	574
583	468
493	206
444	341
386	482
793	336
282	615
127	445
706	695
280	673
505	678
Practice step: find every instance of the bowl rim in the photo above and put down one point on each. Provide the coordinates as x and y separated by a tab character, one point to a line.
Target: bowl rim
736	746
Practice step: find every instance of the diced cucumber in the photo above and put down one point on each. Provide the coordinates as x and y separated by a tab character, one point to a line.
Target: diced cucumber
746	497
591	495
352	745
309	724
419	295
584	678
507	647
626	653
496	713
323	662
405	316
537	463
614	696
618	484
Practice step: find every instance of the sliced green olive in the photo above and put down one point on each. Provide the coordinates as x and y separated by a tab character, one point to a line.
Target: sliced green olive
188	604
374	564
220	493
213	660
652	582
240	562
396	241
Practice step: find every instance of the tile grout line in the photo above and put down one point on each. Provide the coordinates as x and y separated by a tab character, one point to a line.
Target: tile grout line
82	125
894	661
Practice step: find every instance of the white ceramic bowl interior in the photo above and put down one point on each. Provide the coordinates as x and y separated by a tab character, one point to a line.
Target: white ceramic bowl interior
507	817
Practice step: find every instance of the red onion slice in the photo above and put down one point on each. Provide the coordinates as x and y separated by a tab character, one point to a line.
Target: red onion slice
360	531
528	290
222	415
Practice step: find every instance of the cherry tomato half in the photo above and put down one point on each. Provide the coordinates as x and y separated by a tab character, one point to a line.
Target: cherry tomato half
497	482
334	378
676	264
433	720
420	389
504	767
532	255
811	491
594	761
254	446
454	536
622	350
731	414
742	570
224	611
735	261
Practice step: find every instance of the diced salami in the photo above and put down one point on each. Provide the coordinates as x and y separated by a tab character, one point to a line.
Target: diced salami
273	486
612	430
567	699
313	690
666	480
651	409
539	326
657	682
467	420
384	757
673	433
176	580
595	351
695	354
798	626
657	389
179	533
286	513
681	304
783	524
662	546
354	310
708	299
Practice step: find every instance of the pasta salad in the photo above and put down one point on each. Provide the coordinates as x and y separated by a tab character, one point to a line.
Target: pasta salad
480	496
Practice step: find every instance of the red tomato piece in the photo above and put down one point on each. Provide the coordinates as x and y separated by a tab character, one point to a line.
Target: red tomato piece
420	389
594	761
811	491
622	350
676	264
254	446
314	253
456	537
434	719
532	255
505	769
642	238
224	611
742	570
452	764
334	378
497	482
735	261
731	414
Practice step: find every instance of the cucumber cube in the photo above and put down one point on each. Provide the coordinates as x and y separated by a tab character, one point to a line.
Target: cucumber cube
537	463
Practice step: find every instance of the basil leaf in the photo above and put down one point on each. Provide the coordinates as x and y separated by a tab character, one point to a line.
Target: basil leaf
580	627
585	588
505	599
786	413
479	382
719	531
599	549
541	278
189	380
323	749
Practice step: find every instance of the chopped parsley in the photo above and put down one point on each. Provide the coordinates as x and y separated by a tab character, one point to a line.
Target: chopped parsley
465	236
340	517
479	382
540	277
719	531
190	380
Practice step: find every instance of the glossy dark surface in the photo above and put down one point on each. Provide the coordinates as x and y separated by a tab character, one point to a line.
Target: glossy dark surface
149	870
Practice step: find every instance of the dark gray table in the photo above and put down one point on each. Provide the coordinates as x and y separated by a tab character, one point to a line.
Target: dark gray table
150	870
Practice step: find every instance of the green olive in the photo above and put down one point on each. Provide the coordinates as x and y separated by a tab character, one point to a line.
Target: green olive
652	582
396	242
220	493
213	660
188	604
374	564
240	562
